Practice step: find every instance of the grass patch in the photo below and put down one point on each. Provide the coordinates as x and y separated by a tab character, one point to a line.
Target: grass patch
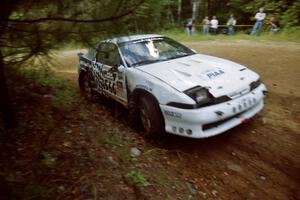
114	138
155	152
138	178
60	91
291	35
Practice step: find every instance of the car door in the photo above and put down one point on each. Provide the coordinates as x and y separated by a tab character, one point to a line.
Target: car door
111	71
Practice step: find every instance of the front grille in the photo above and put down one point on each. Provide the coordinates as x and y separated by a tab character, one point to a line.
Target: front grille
218	100
215	124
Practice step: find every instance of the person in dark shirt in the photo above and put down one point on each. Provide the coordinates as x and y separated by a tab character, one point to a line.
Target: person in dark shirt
190	25
273	25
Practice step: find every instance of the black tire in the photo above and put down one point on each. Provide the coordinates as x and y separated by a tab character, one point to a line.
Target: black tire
150	115
133	114
85	87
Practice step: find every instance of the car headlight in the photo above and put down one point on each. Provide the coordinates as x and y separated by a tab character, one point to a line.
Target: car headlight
199	94
255	84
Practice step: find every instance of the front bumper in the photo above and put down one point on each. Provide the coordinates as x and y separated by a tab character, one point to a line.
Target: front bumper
213	120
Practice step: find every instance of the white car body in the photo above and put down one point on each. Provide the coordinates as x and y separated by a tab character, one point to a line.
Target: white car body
168	80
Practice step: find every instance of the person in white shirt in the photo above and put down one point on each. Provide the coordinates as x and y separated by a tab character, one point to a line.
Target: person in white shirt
231	24
206	24
260	17
214	25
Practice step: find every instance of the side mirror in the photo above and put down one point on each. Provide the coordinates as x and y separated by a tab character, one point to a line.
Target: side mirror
118	67
121	68
117	63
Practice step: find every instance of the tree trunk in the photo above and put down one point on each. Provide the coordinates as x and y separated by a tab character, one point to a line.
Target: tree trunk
179	10
208	7
6	7
5	104
195	8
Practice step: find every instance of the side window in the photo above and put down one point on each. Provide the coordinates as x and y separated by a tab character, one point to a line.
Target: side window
91	54
108	54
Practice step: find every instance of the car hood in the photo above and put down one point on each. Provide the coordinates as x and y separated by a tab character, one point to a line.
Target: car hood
220	76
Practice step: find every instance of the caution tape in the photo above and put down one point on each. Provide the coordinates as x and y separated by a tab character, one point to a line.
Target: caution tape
200	25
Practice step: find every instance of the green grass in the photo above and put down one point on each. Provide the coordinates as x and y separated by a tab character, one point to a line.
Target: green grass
113	138
138	178
292	35
63	94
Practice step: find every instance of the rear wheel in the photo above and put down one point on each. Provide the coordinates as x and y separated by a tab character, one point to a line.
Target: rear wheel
150	115
85	87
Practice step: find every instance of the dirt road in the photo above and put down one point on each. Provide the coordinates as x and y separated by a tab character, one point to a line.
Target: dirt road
259	160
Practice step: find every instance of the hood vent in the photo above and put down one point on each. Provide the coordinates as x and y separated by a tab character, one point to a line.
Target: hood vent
185	64
182	73
196	61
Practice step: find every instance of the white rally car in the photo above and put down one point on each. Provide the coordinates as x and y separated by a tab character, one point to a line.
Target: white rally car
169	87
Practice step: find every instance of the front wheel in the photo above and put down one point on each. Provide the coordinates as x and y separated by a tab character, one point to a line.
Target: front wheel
150	115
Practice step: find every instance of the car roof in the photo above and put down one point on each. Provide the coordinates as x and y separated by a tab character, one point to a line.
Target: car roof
129	38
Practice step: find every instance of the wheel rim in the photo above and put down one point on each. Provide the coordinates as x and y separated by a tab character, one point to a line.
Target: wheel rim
145	120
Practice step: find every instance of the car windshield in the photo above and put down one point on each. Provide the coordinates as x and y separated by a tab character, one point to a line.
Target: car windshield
147	51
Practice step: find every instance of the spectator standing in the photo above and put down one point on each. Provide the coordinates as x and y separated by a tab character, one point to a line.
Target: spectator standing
193	26
231	24
214	25
190	26
273	25
205	23
259	17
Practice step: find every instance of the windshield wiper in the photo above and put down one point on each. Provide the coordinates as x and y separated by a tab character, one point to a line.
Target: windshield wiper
144	62
180	56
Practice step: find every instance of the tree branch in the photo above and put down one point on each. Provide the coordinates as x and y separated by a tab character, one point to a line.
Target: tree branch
45	19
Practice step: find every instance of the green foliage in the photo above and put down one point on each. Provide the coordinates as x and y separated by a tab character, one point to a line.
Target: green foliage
61	93
21	41
150	16
16	15
113	138
292	15
286	12
138	178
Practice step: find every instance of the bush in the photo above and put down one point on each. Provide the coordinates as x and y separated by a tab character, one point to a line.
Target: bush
62	92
